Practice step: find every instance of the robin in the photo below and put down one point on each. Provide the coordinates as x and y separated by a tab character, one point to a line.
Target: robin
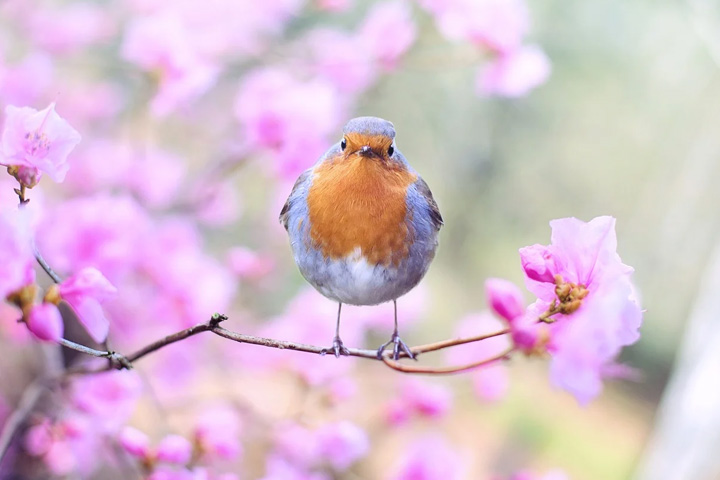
363	225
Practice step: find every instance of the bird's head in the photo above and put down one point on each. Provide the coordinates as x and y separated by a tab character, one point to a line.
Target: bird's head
369	137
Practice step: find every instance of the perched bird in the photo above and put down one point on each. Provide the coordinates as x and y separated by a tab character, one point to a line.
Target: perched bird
362	224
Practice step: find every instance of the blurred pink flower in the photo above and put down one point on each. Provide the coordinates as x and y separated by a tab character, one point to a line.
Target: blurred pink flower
429	458
504	298
38	139
514	73
419	397
343	58
298	444
135	442
16	256
341	444
71	27
45	322
498	25
64	446
84	291
248	264
334	5
108	398
219	204
279	468
160	44
551	475
599	310
26	82
288	118
490	382
174	449
388	32
103	231
156	176
217	430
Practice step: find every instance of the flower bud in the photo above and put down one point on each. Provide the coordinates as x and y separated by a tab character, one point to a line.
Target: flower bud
174	449
135	442
538	263
504	298
45	322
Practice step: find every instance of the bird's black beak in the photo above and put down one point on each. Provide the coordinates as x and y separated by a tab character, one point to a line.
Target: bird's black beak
365	151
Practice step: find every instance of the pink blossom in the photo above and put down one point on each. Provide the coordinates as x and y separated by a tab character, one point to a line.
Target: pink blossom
515	73
342	444
218	432
38	139
166	473
16	255
156	176
287	118
45	322
419	397
334	5
279	468
72	27
103	231
38	439
135	442
538	263
343	58
598	312
160	44
84	291
498	25
504	298
109	398
388	32
219	204
551	475
26	82
174	449
429	458
248	264
298	444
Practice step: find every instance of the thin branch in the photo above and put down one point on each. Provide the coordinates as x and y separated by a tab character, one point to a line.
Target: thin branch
431	347
29	399
395	365
48	269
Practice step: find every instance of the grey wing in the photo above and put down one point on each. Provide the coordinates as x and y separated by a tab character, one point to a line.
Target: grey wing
433	210
297	191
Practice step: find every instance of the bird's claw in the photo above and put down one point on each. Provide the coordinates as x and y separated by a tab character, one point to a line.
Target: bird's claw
398	347
338	348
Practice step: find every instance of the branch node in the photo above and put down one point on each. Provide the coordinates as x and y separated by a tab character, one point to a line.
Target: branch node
217	318
119	361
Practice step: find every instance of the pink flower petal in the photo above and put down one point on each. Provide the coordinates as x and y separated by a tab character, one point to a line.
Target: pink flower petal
45	322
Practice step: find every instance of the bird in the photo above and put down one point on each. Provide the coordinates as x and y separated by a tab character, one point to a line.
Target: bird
363	225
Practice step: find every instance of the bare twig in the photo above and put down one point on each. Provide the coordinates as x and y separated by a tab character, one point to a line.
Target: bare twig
41	261
29	399
395	365
118	361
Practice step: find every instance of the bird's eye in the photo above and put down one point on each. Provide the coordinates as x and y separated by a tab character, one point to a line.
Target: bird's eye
391	150
343	144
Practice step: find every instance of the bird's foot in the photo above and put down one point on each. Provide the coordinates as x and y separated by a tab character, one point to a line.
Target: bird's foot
338	348
398	347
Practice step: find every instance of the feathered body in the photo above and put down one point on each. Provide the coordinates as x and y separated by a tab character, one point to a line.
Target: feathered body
362	223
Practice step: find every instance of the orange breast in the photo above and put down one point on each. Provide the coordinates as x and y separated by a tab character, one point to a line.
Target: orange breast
358	202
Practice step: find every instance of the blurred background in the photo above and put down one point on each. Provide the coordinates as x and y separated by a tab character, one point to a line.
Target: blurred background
183	171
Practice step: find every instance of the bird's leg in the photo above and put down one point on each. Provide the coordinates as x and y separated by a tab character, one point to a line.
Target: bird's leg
398	345
337	347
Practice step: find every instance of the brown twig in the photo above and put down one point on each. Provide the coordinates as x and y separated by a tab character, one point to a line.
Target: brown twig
118	361
395	365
